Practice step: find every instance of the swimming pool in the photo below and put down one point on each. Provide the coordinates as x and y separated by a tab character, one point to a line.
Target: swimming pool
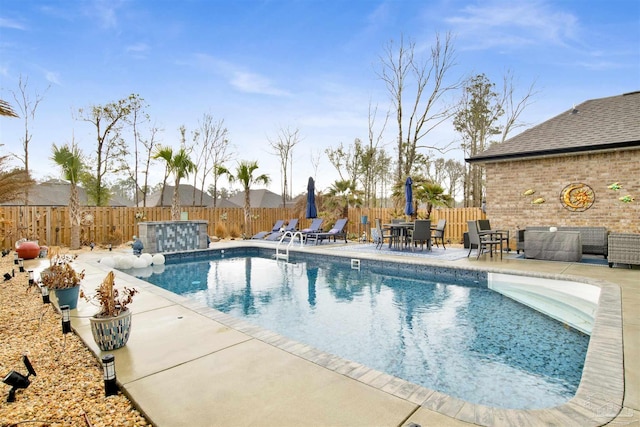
458	337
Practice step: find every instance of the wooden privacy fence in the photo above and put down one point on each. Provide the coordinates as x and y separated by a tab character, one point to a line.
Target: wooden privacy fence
50	225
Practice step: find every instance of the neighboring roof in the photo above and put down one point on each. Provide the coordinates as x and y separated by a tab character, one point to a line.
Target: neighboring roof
56	193
185	193
595	125
260	199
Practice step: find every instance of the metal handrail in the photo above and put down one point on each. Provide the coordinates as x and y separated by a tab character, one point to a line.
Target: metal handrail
292	236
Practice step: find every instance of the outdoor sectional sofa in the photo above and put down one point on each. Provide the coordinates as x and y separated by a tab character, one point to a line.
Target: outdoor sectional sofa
594	239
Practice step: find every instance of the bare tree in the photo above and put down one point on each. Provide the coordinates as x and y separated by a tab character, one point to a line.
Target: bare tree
370	169
419	112
283	146
149	145
512	108
211	135
27	106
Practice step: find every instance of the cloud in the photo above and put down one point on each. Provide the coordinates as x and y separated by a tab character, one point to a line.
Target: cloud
52	77
8	23
105	11
240	78
495	24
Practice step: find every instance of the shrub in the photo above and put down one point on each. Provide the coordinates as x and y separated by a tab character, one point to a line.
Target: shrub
220	230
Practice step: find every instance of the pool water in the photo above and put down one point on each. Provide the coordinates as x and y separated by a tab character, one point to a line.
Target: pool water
460	339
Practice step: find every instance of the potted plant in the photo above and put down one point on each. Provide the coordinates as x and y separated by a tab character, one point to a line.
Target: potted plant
111	325
63	279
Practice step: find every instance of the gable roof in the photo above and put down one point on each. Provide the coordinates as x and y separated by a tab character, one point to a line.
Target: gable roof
185	194
57	193
259	199
595	125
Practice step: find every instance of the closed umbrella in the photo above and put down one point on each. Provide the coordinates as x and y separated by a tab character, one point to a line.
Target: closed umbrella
311	199
408	194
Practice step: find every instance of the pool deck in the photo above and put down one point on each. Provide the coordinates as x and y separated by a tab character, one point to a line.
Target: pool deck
189	365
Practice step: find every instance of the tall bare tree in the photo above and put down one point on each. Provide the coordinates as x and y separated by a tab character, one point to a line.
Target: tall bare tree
283	145
417	88
108	120
27	106
210	137
514	107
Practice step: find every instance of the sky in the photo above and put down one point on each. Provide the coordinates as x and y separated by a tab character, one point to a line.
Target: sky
311	65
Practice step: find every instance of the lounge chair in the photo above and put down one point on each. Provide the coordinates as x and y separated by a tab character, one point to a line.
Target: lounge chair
315	227
276	228
337	231
291	226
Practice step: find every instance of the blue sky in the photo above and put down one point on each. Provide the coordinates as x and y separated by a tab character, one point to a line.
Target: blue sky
312	65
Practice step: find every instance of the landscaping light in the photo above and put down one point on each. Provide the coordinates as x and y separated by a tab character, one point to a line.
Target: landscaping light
16	380
109	369
66	319
45	294
30	276
7	276
15	258
21	264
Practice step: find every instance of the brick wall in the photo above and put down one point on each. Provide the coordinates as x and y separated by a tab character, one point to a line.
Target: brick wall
507	181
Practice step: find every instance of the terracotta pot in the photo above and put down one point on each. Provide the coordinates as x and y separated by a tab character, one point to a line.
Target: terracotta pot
111	333
28	250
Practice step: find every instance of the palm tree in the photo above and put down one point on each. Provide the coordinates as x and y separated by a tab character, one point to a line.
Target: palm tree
341	195
14	182
432	194
244	174
181	166
165	153
69	158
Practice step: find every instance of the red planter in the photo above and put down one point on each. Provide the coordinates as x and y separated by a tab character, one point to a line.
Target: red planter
28	250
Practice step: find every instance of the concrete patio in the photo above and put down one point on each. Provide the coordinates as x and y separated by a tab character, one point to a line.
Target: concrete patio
189	365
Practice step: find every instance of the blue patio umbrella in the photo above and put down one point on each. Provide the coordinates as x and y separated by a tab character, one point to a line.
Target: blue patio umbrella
311	199
408	194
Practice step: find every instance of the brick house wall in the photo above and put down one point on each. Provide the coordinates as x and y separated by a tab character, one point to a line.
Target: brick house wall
508	208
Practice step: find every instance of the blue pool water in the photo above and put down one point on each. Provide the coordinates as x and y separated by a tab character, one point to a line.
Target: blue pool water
458	338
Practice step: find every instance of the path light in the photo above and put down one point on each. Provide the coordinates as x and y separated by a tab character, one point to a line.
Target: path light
16	380
109	368
15	258
7	276
30	276
66	319
45	294
21	264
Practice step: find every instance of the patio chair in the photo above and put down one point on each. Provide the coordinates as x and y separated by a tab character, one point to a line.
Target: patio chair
480	242
379	236
438	232
276	228
315	227
291	226
421	232
338	230
485	225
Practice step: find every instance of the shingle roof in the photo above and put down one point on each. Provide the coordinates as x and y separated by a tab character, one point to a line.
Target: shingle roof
185	194
594	125
259	199
56	193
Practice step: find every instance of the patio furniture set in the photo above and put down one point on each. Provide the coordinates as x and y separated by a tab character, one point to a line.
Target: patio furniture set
571	243
404	235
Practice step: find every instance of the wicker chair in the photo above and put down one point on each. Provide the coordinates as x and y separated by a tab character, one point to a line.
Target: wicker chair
624	249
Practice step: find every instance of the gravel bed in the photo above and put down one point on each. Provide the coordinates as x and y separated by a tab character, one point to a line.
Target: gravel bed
68	389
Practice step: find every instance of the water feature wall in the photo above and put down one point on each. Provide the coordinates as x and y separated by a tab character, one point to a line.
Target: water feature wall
173	236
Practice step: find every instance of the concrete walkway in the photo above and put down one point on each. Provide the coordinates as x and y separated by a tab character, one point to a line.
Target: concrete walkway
189	365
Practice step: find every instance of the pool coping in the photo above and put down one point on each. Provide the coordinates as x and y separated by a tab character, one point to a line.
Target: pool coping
597	401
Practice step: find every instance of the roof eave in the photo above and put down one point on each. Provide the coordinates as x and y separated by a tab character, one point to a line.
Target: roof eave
627	145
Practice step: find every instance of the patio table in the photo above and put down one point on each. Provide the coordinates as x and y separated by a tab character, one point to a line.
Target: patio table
399	231
493	235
